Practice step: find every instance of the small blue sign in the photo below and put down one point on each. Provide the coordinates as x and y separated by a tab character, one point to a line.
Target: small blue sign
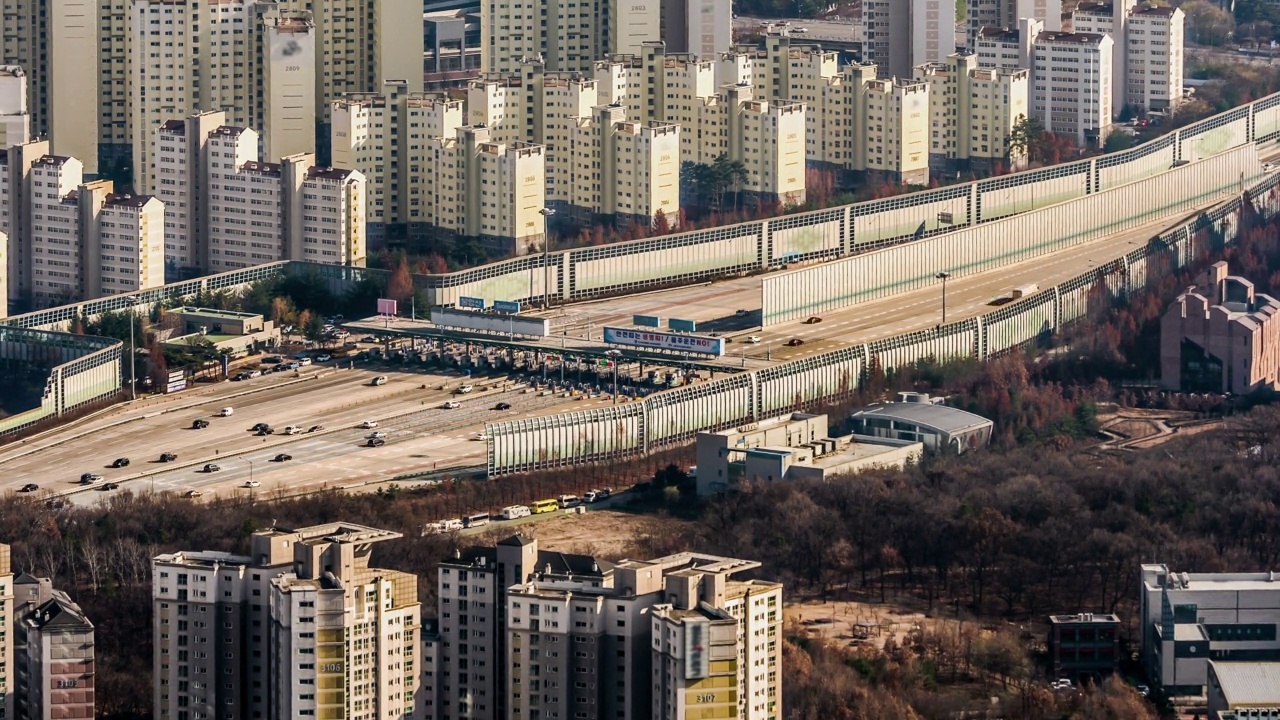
507	306
646	321
471	302
682	325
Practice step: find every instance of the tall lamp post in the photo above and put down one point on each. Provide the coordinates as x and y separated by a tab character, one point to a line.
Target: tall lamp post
133	351
546	214
613	357
943	277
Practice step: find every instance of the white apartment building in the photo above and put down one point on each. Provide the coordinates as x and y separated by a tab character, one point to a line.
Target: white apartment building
767	136
15	121
272	635
528	633
387	136
1071	85
999	14
1189	619
240	56
1147	61
566	36
82	241
15	216
69	51
904	33
627	170
130	243
972	112
1009	49
224	209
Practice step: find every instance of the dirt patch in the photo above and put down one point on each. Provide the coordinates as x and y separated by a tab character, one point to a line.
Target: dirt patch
602	533
852	623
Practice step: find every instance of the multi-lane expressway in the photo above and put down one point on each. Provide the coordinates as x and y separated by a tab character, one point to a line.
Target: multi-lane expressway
422	436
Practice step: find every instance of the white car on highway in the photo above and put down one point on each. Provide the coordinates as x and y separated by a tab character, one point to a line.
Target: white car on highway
377	435
226	412
369	424
293	430
753	339
464	389
451	405
252	483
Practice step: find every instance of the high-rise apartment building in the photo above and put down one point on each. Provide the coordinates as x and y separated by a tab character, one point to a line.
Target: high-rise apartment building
72	239
565	36
904	33
528	633
244	57
626	170
766	135
15	121
64	46
301	627
7	685
1148	55
1071	79
701	27
972	112
224	209
54	653
1006	14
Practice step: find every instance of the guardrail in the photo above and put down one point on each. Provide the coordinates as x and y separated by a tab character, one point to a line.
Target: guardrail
674	416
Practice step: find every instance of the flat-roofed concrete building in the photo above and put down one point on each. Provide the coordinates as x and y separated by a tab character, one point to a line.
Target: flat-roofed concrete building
921	418
15	121
791	447
1189	619
1147	64
1084	645
1006	14
1220	336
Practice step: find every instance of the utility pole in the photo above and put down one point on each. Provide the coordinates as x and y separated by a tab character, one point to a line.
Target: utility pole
133	350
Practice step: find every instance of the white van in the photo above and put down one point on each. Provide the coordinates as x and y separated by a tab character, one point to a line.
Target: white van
303	362
226	412
452	525
511	512
380	380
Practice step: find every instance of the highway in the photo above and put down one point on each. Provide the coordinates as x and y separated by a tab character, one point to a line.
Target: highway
421	435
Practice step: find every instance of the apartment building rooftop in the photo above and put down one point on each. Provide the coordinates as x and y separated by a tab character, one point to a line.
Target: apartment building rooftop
202	558
126	200
1083	38
53	160
328	173
264	168
229	130
59	612
177	127
1083	618
999	33
338	532
1158	576
12	71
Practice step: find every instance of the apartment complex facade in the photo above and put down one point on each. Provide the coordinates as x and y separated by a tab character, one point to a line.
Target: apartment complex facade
1148	64
1220	336
15	121
1071	76
972	113
566	36
248	58
1006	14
904	33
72	239
302	627
701	27
47	649
1190	619
224	209
529	633
73	53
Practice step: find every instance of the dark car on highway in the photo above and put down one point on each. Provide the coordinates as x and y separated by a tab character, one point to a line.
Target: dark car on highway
120	462
168	457
375	442
502	406
282	457
30	487
199	424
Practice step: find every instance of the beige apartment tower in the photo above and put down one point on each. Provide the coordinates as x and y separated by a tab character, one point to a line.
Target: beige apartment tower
54	653
972	112
301	627
69	51
15	121
904	33
567	36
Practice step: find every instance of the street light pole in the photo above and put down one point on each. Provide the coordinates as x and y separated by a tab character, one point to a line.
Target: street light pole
613	357
943	277
133	351
546	213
